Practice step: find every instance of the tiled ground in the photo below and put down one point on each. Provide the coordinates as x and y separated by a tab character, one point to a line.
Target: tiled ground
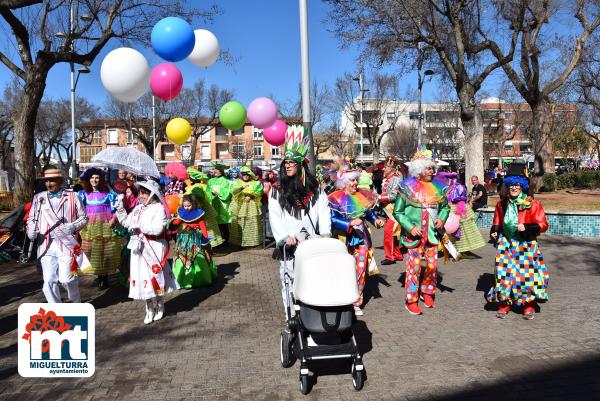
221	343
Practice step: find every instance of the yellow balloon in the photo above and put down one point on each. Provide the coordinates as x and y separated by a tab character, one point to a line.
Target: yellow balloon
179	130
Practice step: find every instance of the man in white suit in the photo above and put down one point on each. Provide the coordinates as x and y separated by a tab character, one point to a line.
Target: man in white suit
55	218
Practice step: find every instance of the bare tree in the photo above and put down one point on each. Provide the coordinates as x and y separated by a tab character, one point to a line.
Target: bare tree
205	106
53	130
137	117
34	24
241	149
381	109
547	57
588	85
402	142
447	33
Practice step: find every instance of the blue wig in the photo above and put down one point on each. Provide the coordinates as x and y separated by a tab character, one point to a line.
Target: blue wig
234	169
517	179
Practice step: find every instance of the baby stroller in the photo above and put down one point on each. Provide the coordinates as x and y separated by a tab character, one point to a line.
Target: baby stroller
12	234
320	293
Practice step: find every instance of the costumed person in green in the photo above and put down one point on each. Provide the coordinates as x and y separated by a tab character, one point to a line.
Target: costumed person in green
194	266
246	214
219	189
198	190
421	209
521	274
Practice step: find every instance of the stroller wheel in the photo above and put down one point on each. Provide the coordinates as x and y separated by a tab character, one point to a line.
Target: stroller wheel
286	354
305	384
358	379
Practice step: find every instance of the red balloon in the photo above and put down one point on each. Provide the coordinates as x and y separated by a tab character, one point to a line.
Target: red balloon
173	203
275	134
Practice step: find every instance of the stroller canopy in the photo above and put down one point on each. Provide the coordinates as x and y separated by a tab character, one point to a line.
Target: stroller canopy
324	273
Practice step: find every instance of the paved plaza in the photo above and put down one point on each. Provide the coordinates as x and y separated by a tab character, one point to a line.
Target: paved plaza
221	342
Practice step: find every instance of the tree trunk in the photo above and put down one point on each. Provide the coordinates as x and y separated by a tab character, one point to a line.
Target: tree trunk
193	147
376	154
543	145
470	116
24	133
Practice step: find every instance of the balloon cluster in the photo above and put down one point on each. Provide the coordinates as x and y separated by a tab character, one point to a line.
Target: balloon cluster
262	113
126	74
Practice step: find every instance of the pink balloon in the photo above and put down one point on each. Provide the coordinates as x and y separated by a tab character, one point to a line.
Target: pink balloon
166	81
275	134
452	224
262	112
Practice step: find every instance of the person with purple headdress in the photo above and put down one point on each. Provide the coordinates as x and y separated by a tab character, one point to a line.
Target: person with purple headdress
460	225
351	208
99	241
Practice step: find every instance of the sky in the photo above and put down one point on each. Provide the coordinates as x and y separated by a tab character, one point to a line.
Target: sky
264	35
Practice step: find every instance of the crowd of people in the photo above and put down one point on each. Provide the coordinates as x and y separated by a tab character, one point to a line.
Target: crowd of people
129	225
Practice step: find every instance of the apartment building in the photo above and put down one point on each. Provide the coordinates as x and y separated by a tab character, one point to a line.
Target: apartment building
506	127
212	143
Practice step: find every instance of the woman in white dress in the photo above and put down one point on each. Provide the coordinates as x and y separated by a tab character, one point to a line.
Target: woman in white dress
150	275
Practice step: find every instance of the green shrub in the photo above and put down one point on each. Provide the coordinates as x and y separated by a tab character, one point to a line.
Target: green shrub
565	181
549	182
581	179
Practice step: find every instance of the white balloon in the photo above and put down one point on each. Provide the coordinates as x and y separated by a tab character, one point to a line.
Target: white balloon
125	73
206	50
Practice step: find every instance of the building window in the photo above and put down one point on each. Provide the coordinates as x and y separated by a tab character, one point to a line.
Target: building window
205	152
238	148
258	134
525	146
222	150
87	152
168	151
508	146
258	150
391	115
239	132
112	136
508	116
96	138
186	152
275	152
132	135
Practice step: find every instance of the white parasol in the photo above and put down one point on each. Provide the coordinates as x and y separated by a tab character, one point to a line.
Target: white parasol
128	159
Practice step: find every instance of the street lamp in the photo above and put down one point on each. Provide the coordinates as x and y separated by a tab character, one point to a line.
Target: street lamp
74	80
362	91
420	110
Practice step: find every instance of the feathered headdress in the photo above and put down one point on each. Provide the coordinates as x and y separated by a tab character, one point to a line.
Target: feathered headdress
296	144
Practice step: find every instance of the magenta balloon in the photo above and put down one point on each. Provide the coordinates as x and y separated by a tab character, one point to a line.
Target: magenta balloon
275	134
166	81
262	112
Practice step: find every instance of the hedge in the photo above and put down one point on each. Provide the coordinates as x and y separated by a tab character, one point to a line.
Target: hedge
581	179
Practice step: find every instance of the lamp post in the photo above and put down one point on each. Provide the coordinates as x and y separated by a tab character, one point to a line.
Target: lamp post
306	114
420	87
74	80
362	91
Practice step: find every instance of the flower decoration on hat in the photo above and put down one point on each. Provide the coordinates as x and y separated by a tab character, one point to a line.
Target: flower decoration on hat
296	144
345	171
422	153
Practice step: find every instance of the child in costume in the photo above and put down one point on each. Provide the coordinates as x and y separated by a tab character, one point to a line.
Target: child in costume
246	214
150	276
421	209
194	266
460	225
177	174
521	274
350	209
198	190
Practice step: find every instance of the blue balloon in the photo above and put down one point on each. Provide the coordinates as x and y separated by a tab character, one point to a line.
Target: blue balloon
173	39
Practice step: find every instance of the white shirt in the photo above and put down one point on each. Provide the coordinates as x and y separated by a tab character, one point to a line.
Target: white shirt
284	225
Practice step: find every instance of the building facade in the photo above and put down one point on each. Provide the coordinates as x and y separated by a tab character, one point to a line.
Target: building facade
213	143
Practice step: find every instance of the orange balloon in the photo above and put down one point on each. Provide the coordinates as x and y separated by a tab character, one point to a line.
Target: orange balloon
173	203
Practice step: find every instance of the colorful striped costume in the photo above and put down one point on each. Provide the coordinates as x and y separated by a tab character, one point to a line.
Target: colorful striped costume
246	216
